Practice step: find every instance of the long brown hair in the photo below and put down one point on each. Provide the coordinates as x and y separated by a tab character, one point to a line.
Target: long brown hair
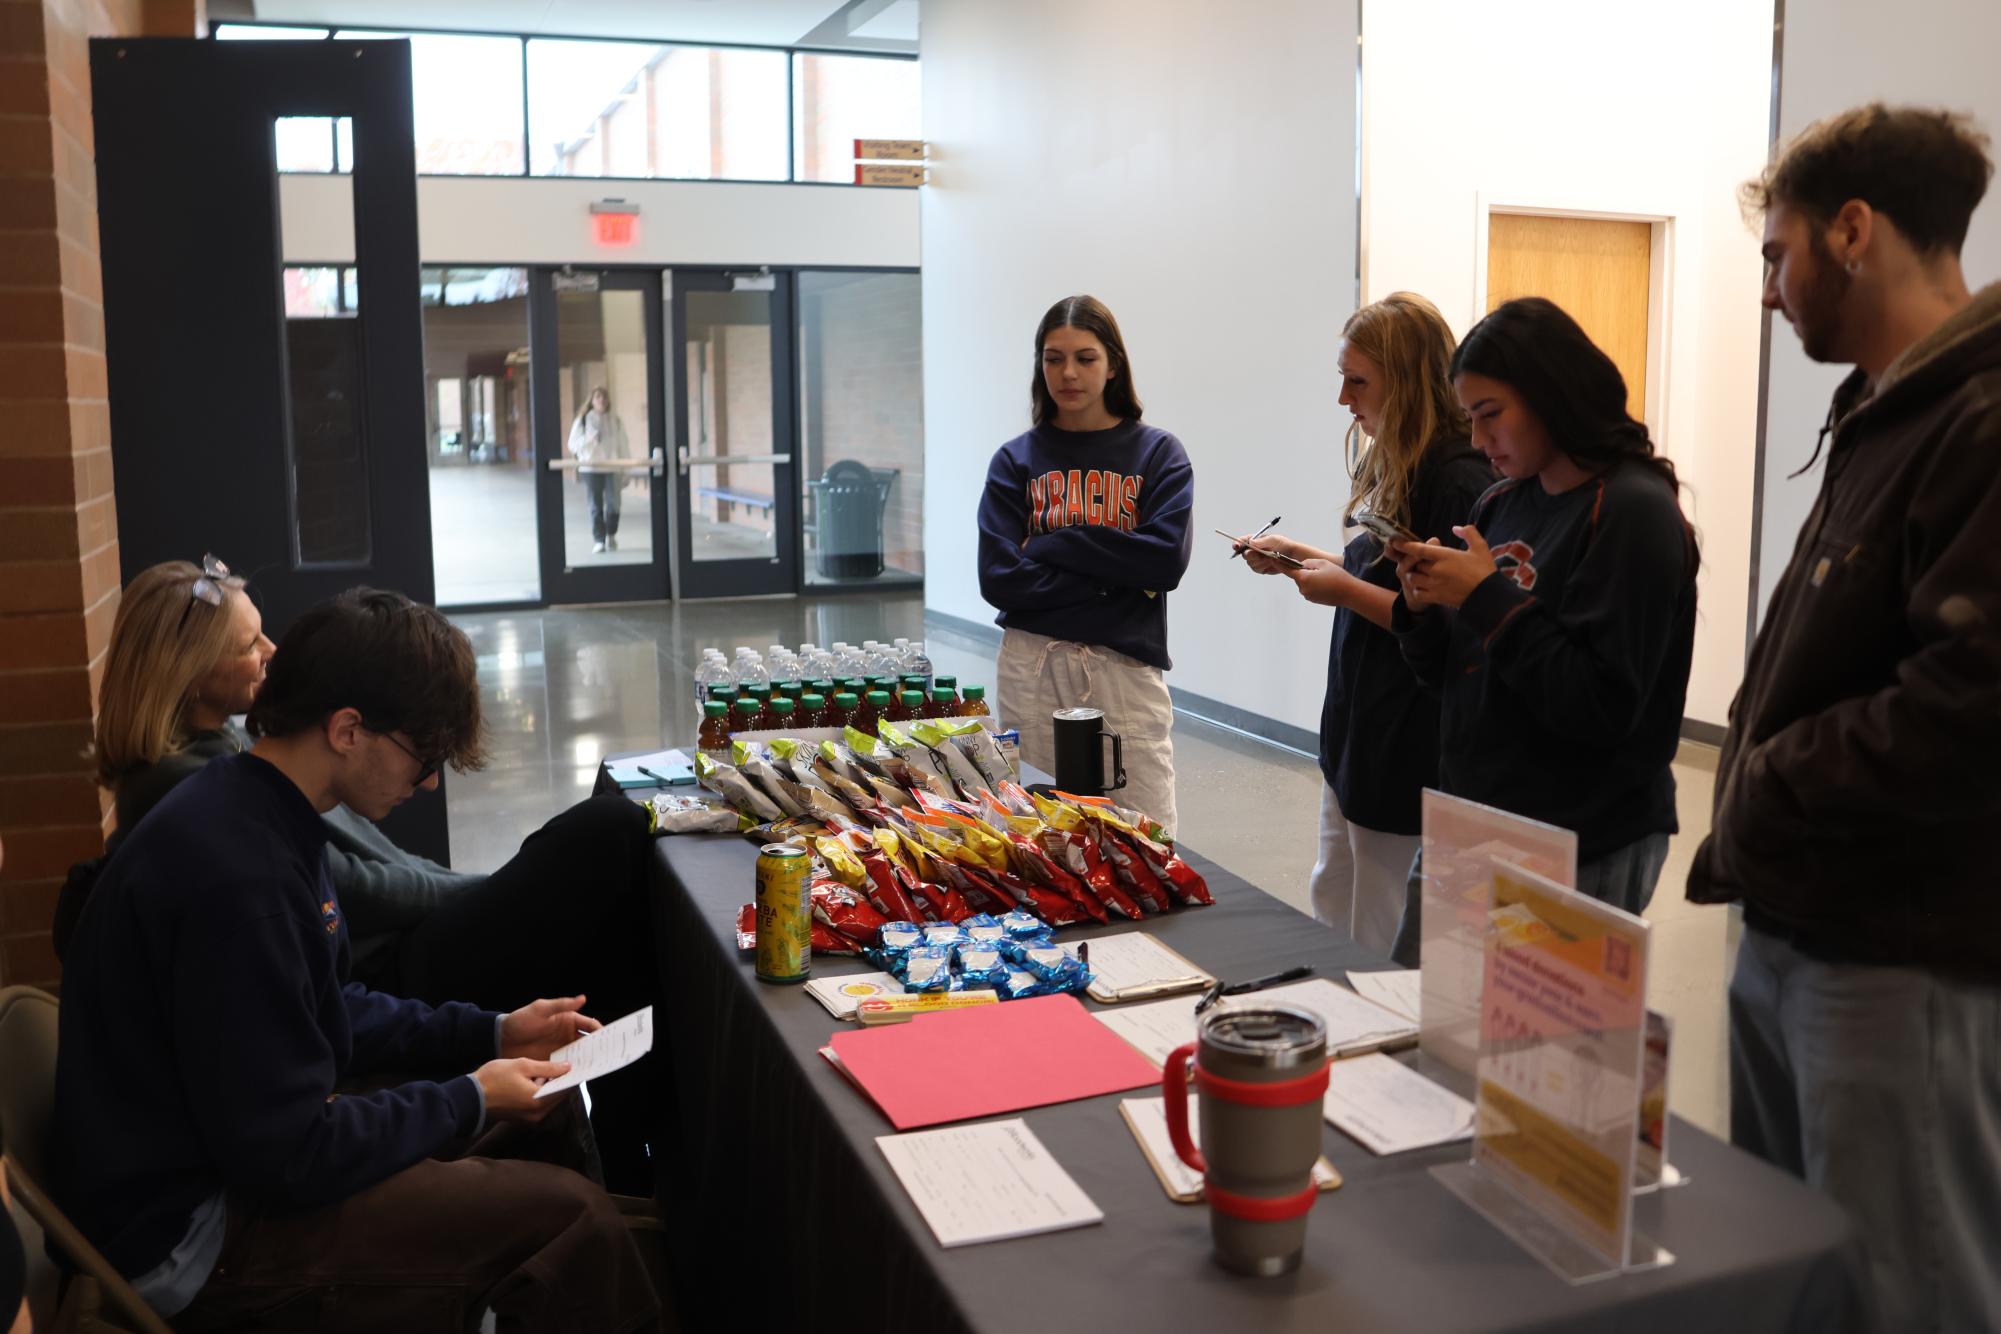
163	641
1406	336
1089	314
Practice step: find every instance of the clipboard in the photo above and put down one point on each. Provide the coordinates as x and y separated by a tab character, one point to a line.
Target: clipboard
1174	1179
1179	974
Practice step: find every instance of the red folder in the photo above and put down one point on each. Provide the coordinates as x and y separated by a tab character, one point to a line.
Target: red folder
988	1059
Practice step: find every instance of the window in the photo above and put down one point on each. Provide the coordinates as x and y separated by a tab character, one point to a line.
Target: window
320	293
587	107
839	99
327	431
466	101
243	32
861	419
308	143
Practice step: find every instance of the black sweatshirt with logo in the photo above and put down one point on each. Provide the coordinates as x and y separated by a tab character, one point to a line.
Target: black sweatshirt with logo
1563	675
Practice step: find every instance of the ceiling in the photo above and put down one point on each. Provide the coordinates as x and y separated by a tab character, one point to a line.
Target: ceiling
878	25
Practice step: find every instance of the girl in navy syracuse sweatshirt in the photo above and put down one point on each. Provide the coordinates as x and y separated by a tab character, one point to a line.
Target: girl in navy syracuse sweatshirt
1083	532
1561	637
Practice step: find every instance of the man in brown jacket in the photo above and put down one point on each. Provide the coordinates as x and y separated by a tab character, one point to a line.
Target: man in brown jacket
1858	800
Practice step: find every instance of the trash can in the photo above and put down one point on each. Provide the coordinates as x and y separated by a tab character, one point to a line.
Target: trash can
850	503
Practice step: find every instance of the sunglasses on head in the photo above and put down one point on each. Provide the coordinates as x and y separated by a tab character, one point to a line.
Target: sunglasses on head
210	587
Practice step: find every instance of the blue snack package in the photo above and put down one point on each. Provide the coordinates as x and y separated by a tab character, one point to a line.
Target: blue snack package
982	966
1054	967
929	968
894	943
1019	985
1019	925
947	934
983	929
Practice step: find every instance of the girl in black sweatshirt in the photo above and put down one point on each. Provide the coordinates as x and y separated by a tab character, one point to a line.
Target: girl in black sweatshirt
1378	726
1560	638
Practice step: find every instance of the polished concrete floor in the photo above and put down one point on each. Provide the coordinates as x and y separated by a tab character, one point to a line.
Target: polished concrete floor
563	687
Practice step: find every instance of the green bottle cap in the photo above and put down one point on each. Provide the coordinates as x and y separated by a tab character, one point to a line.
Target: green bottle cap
781	705
748	708
716	708
813	700
878	699
824	685
942	695
944	683
788	689
845	700
757	692
975	693
725	691
856	683
913	699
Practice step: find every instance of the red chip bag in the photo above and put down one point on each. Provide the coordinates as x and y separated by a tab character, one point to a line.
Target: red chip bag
888	891
1133	871
843	910
826	940
1041	869
1185	882
1079	854
746	927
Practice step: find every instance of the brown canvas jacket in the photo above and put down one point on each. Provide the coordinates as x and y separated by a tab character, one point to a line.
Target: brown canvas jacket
1858	797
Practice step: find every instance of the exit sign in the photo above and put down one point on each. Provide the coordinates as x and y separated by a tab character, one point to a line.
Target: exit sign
614	228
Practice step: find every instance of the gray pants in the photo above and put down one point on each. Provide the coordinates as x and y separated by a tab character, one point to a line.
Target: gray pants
1882	1087
603	491
1624	877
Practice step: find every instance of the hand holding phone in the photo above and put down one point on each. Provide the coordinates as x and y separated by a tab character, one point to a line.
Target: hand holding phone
1385	530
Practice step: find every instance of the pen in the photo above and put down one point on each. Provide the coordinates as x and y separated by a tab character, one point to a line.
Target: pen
1258	534
662	779
1259	984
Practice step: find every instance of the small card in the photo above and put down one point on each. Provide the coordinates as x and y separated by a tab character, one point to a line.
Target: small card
1147	1119
1390	1108
1398	990
843	995
594	1055
986	1182
1134	966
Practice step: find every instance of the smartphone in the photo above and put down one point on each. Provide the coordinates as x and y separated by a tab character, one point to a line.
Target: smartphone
1280	557
1384	530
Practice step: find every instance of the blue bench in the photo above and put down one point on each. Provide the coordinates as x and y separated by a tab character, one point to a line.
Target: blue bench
756	500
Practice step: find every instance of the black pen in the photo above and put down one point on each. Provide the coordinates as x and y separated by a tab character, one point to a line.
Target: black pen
1259	984
661	779
1258	534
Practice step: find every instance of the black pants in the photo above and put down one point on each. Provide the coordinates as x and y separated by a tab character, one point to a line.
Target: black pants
604	491
566	916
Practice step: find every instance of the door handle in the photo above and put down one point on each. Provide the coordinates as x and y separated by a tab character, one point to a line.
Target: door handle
713	460
655	464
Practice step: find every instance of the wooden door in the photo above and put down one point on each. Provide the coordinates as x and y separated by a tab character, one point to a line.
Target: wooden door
1597	269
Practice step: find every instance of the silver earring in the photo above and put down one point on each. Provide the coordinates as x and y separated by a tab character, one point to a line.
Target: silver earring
1854	267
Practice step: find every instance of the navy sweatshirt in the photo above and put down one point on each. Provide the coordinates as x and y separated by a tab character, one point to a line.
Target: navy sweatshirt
205	1028
1564	673
1083	533
1378	724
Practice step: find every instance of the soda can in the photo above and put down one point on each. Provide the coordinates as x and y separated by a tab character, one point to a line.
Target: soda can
784	914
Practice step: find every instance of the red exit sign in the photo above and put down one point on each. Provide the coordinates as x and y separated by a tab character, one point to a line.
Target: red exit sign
614	228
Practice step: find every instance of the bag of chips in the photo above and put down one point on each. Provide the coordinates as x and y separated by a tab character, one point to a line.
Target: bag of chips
854	861
1071	839
847	912
668	814
734	788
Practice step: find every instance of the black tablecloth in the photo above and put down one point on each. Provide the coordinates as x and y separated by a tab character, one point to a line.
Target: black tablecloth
785	1212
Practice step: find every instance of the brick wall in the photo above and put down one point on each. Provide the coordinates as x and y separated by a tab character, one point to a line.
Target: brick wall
58	531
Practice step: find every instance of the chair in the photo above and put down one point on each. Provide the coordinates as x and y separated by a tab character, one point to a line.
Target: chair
96	1296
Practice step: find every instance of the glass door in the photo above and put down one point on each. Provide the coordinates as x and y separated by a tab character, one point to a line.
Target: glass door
600	423
737	506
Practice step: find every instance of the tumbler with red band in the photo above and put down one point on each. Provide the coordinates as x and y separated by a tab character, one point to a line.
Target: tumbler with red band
1260	1072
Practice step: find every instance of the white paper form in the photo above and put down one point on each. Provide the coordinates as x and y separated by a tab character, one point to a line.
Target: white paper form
1399	990
594	1055
1148	1118
986	1182
1391	1108
1353	1024
1135	962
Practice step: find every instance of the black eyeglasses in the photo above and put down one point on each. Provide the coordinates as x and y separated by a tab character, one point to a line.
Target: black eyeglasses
427	768
211	587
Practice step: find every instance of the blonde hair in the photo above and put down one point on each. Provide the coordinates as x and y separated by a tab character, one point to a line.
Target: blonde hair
1406	336
164	640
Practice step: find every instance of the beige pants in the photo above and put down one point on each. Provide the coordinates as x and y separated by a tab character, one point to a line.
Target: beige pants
1039	675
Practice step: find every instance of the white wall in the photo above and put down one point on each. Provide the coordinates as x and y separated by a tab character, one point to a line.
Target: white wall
510	220
1194	166
1578	104
1936	53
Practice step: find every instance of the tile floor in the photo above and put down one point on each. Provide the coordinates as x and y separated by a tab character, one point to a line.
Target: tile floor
565	686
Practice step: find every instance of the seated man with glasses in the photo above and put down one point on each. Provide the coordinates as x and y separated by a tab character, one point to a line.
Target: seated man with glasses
566	914
206	1138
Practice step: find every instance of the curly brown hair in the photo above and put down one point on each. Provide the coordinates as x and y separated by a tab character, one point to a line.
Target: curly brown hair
401	665
1924	169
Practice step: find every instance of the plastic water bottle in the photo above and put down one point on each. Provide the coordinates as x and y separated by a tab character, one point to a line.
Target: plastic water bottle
881	662
848	660
900	651
713	672
919	664
750	670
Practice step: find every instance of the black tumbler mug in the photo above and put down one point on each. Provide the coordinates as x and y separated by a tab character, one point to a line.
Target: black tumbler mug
1080	753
